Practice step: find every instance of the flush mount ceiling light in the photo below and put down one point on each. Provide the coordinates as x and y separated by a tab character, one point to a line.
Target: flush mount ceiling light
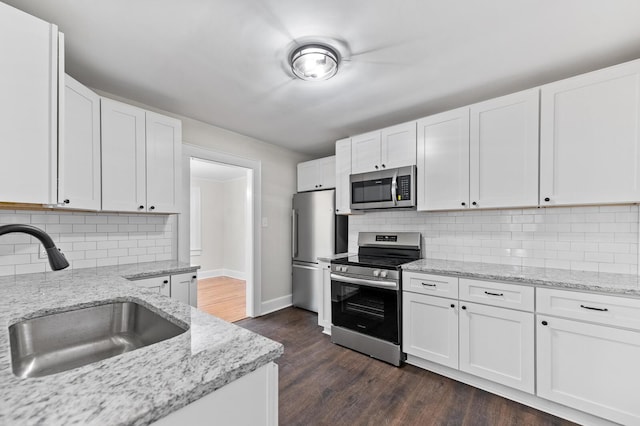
314	62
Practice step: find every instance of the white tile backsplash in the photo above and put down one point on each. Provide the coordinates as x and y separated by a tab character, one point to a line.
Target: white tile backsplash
87	239
593	238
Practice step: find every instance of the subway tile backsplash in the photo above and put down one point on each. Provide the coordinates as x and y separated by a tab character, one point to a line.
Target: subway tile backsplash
594	238
87	239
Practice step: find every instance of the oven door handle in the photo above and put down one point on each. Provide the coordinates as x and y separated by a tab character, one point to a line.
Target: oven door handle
371	283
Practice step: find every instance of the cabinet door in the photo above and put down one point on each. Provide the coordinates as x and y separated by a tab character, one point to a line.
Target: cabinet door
503	161
398	146
590	138
181	287
163	148
79	148
28	107
498	344
160	285
327	169
430	328
365	152
308	176
123	157
443	161
343	170
324	310
589	367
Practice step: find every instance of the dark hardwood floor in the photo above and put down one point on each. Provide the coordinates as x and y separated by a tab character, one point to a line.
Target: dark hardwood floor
324	384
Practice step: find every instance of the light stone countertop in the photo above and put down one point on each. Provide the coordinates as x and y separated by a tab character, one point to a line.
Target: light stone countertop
136	387
609	283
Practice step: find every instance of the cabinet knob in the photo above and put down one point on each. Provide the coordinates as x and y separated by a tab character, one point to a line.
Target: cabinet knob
165	282
316	186
463	203
544	323
453	306
320	186
464	307
383	166
474	203
337	210
547	199
152	208
376	166
194	277
67	201
140	207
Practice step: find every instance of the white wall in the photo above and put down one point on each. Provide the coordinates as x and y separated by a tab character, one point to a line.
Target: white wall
223	227
235	226
212	225
597	238
87	239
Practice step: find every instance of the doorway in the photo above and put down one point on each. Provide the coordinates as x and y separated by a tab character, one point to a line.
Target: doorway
219	230
218	204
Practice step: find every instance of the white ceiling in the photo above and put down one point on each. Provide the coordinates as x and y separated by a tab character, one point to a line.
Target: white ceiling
201	169
224	61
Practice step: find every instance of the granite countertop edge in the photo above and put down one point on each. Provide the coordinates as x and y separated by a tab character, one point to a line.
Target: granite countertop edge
598	282
136	387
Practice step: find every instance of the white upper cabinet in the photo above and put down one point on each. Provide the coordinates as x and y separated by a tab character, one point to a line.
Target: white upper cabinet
163	154
141	153
79	148
365	152
391	147
503	151
343	170
29	68
590	138
317	174
123	157
443	161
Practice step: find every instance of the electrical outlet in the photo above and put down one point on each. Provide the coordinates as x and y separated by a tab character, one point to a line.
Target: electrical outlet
42	252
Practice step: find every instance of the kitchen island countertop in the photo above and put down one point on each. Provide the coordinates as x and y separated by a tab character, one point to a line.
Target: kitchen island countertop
599	282
136	387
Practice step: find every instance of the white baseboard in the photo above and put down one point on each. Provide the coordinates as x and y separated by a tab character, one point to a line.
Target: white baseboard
212	273
276	304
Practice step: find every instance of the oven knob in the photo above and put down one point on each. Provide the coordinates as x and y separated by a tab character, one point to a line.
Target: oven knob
383	274
344	268
376	273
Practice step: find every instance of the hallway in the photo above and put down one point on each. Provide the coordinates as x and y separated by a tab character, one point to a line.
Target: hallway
223	297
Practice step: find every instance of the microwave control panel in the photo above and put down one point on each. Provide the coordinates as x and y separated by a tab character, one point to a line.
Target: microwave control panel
404	188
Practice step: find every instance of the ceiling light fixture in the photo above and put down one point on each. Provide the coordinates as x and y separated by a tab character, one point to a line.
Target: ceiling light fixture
314	62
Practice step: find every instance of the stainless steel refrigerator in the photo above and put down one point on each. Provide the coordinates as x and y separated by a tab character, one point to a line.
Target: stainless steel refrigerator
316	231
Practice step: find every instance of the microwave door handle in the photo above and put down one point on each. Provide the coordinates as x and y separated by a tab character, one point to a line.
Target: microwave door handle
394	189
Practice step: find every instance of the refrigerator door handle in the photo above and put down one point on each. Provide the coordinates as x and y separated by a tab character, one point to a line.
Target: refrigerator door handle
294	234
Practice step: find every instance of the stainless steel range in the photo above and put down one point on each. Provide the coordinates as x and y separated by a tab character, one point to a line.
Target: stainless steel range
366	294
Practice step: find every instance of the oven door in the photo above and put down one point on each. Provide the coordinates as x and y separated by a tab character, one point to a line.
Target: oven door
369	310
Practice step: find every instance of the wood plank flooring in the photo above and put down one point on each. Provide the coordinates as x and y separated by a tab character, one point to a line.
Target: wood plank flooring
324	384
223	297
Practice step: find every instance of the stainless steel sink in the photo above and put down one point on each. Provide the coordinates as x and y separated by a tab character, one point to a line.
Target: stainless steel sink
62	341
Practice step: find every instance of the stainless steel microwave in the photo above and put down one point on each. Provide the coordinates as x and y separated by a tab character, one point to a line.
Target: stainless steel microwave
383	189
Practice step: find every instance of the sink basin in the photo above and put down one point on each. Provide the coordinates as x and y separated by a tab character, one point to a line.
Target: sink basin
62	341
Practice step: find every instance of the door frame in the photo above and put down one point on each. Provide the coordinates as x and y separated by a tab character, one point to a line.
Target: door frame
253	232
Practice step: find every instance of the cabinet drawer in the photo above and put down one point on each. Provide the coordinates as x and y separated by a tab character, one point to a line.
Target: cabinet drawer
497	294
598	308
435	285
159	284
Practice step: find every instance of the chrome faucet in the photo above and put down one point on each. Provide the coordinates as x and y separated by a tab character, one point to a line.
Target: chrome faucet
56	258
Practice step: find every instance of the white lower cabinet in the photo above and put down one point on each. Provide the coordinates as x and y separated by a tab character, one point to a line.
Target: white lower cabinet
588	360
430	328
182	287
498	344
324	313
161	285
